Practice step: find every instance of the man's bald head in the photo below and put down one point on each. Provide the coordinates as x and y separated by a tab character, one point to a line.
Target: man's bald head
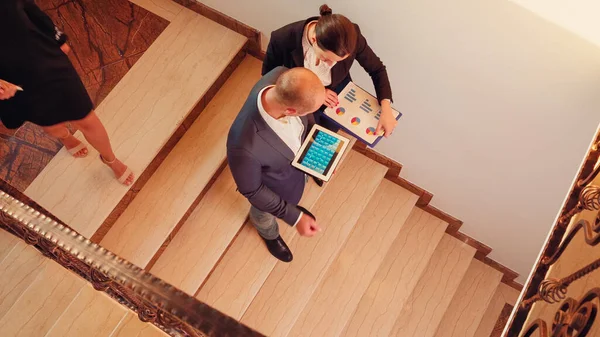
300	90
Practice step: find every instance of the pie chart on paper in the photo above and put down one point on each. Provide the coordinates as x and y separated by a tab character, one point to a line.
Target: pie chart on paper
355	121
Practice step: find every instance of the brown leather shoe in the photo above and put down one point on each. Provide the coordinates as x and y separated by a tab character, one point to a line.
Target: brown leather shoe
279	249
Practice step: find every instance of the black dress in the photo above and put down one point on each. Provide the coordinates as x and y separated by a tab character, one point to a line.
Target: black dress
30	56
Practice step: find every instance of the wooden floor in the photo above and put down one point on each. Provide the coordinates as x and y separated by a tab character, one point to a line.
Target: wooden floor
380	267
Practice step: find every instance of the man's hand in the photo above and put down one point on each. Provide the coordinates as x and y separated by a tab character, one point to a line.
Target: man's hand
7	90
331	98
307	226
65	48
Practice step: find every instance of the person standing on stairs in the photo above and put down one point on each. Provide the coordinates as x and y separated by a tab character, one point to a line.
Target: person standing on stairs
262	142
328	46
39	84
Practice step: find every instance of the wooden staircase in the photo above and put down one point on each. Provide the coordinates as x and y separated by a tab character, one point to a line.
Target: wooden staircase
381	267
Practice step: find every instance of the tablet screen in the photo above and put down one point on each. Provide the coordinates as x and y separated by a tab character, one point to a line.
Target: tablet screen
321	152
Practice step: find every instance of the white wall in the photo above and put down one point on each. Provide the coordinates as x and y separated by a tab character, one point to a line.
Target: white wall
499	106
578	16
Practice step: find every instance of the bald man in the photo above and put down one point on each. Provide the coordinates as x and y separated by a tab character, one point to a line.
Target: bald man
263	141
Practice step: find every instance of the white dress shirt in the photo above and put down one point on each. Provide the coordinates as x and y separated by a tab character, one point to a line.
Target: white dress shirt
288	128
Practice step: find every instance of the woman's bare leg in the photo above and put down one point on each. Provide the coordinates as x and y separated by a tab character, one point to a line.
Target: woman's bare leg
61	132
96	135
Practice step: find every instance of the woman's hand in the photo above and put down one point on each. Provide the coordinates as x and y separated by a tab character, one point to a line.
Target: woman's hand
331	98
7	90
387	122
65	48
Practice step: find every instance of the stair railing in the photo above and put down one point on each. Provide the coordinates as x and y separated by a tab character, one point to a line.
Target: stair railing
154	300
572	315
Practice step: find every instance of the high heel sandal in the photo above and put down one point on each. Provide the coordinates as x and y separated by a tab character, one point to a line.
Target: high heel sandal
123	178
73	151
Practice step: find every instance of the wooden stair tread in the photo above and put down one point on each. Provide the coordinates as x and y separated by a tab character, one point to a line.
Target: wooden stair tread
275	308
397	276
239	275
428	302
140	114
167	9
504	295
37	310
243	269
131	326
92	313
470	301
17	271
149	219
7	243
198	245
348	277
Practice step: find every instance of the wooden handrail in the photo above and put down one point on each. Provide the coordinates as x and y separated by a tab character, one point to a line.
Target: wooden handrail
154	300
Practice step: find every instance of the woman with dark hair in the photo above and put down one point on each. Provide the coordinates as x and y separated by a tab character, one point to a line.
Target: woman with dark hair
328	45
39	84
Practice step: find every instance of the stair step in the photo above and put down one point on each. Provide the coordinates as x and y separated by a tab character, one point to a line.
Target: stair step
149	219
243	269
131	326
470	301
240	274
31	315
140	114
7	243
503	296
167	9
397	276
17	271
348	277
198	245
275	308
427	304
92	313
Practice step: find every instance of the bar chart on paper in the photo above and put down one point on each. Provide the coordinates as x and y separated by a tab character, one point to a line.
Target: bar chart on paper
358	113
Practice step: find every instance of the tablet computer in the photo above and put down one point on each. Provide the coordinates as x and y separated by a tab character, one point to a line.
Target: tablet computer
320	153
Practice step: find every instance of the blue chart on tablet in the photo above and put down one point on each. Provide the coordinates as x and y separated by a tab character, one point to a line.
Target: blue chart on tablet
320	154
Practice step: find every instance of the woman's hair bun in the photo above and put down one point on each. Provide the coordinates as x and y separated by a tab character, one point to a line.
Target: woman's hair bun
325	10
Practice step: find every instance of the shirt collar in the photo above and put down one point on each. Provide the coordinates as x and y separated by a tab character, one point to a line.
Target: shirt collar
265	115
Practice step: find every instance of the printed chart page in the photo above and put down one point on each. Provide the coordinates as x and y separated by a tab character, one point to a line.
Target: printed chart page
358	113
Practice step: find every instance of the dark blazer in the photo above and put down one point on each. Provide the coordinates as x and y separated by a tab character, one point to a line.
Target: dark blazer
261	162
285	49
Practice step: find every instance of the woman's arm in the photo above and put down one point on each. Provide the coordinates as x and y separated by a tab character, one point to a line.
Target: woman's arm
373	65
43	22
376	69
